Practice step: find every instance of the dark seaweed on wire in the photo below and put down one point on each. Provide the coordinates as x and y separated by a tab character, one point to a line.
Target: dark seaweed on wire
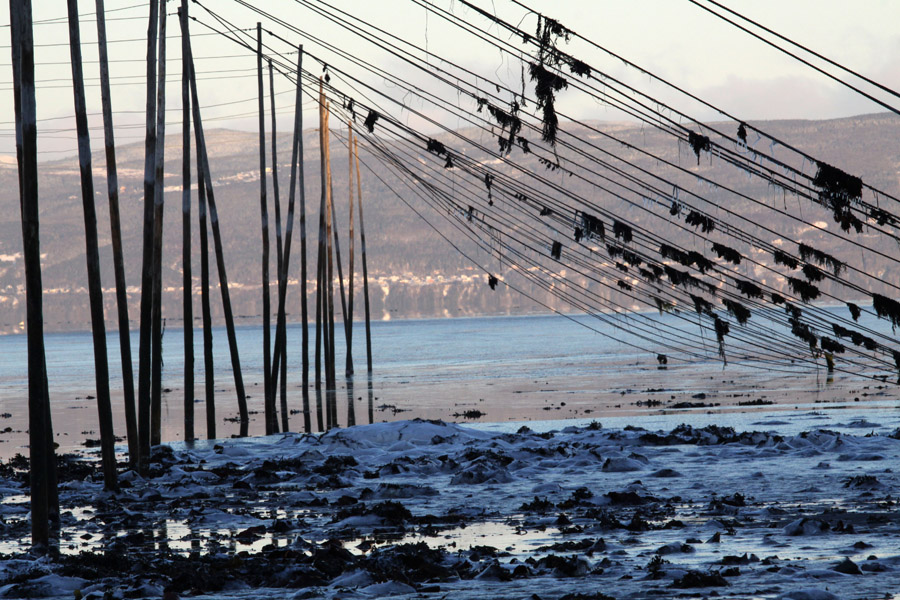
370	121
742	132
805	290
631	258
737	310
699	143
728	254
449	164
546	84
813	273
702	263
836	188
545	212
578	67
882	217
614	251
556	250
808	252
696	219
663	305
492	281
624	285
622	231
523	144
792	310
783	258
722	329
887	308
651	274
593	226
803	332
578	234
856	337
748	288
777	298
436	147
510	126
855	311
702	305
675	209
833	346
686	279
622	267
896	356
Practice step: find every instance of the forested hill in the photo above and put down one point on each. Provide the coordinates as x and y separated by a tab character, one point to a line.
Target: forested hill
413	271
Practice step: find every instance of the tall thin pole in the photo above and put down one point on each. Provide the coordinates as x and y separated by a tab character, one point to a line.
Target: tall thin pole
144	350
208	364
158	212
220	255
186	275
40	448
92	252
321	330
330	379
348	371
304	314
280	342
264	218
362	244
112	185
348	323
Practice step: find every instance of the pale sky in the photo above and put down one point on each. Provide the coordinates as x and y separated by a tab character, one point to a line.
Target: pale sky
673	38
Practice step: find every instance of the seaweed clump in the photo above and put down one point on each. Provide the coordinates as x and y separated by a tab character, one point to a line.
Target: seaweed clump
370	121
887	308
806	291
808	252
737	310
837	191
696	219
699	143
622	231
728	254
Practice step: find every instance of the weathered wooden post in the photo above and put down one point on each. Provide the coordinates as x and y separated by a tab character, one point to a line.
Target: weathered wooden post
186	278
362	244
158	213
40	436
112	185
264	218
144	350
92	253
281	318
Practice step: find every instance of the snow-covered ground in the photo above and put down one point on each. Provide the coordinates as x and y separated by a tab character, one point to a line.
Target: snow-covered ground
801	506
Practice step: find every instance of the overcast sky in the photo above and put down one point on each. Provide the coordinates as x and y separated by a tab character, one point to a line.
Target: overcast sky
673	38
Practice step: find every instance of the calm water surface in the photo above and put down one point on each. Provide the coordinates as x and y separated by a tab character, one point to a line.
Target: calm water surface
506	368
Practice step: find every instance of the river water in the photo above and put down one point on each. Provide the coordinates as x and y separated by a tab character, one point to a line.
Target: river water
490	369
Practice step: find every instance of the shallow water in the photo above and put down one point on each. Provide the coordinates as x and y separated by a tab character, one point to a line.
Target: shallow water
493	369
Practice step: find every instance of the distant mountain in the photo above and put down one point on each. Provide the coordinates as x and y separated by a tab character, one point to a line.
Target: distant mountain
413	272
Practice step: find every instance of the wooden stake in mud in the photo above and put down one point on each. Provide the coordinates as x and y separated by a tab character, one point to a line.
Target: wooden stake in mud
304	314
365	270
92	251
220	255
264	218
40	435
158	206
208	365
348	323
112	184
186	279
144	350
330	378
321	271
284	262
281	321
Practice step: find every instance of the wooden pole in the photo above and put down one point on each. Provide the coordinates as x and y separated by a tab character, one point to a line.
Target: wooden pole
348	371
92	253
330	378
264	218
365	270
158	213
112	185
348	323
144	350
208	364
220	255
281	319
186	274
304	309
41	452
321	330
